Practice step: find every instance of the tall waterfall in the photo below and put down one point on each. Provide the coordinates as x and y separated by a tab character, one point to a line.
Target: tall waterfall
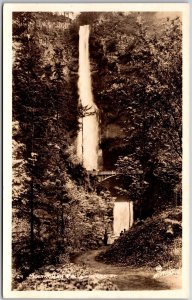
123	216
88	136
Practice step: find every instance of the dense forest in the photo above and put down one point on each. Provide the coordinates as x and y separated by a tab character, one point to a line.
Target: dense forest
59	210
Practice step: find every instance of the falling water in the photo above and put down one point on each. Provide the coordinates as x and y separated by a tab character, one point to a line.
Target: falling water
88	137
123	216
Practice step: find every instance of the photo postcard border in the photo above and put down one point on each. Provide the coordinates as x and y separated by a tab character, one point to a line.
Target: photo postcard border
7	147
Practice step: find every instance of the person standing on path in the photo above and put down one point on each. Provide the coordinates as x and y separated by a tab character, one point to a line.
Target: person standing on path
105	237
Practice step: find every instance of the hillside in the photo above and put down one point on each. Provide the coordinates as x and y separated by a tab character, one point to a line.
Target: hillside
150	243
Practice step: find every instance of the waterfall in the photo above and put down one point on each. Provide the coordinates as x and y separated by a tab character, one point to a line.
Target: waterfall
123	216
88	136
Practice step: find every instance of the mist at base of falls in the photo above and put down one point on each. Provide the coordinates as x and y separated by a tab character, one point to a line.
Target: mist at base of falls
122	216
88	136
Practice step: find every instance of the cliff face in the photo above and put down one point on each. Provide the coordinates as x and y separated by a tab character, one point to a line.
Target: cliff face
122	46
136	69
112	38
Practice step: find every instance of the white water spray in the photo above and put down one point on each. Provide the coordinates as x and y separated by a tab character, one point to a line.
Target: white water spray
123	216
88	136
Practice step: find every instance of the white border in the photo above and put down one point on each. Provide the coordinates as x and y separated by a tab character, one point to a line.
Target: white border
7	147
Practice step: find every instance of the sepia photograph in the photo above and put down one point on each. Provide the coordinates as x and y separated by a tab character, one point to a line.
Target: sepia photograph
97	103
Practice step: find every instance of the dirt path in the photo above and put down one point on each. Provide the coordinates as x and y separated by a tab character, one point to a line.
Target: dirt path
129	279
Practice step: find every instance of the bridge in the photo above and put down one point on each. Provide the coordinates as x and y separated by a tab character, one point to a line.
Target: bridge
103	175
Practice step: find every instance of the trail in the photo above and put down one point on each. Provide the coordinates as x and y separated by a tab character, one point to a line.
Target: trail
127	278
85	273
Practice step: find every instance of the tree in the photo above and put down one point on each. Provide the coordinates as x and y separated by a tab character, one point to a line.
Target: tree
141	91
45	123
160	95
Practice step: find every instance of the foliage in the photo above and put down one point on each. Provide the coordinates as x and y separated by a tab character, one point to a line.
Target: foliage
153	242
137	83
20	177
45	124
68	277
140	63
